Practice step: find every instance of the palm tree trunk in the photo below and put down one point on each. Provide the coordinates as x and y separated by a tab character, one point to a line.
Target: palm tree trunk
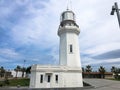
22	74
16	73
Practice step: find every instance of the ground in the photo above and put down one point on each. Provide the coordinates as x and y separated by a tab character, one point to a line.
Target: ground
99	84
103	84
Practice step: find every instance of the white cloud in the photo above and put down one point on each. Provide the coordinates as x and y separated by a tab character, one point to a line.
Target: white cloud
9	53
99	29
37	29
55	54
40	21
102	49
107	62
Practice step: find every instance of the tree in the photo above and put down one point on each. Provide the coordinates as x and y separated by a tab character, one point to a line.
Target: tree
113	69
116	72
6	81
83	70
2	72
28	70
88	68
102	71
18	68
23	71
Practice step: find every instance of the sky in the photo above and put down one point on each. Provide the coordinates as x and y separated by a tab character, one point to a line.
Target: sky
28	31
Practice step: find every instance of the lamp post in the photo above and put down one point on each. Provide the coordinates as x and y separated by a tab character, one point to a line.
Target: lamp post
116	9
24	63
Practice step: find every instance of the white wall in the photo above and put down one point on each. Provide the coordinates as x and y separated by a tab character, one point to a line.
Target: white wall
65	79
18	75
69	37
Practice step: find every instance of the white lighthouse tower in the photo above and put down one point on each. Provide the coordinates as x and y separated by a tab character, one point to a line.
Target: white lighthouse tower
68	73
69	44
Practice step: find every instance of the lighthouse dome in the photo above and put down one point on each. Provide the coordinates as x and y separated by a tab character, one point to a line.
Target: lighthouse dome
67	15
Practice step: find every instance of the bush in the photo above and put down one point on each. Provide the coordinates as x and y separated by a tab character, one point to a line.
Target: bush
1	85
6	82
117	77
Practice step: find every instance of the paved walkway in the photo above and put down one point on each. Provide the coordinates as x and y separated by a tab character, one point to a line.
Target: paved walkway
103	84
99	84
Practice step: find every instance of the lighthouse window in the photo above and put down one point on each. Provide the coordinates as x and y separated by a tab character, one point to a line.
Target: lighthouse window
63	16
41	78
71	49
56	78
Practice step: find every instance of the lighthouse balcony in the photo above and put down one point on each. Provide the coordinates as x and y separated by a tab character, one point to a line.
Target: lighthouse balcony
71	29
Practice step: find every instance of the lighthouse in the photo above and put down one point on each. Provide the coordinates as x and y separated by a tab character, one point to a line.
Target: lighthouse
69	44
68	73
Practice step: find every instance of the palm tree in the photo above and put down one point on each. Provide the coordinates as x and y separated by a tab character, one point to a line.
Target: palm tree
102	71
83	70
23	71
88	68
28	71
18	68
2	72
115	71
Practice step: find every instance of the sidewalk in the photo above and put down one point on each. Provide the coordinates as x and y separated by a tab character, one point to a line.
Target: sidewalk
103	84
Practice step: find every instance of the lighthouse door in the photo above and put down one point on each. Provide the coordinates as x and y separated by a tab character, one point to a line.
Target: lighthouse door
48	80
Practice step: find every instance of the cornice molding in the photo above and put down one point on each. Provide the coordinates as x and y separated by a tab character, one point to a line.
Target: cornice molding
70	29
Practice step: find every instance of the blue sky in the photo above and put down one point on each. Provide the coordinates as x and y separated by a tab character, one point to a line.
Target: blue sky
28	31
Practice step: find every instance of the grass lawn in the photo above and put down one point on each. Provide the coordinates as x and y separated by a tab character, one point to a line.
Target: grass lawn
16	82
23	82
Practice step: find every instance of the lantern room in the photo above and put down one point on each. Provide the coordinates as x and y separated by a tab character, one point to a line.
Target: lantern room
68	15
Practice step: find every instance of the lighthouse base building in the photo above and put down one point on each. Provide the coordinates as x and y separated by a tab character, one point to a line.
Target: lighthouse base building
68	73
55	77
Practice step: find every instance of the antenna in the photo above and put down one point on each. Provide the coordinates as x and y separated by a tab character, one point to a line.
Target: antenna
69	5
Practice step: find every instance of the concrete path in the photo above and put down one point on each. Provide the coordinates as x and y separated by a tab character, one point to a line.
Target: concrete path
103	84
99	84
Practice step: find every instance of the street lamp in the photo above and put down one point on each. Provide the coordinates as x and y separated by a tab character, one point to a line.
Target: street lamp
116	9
